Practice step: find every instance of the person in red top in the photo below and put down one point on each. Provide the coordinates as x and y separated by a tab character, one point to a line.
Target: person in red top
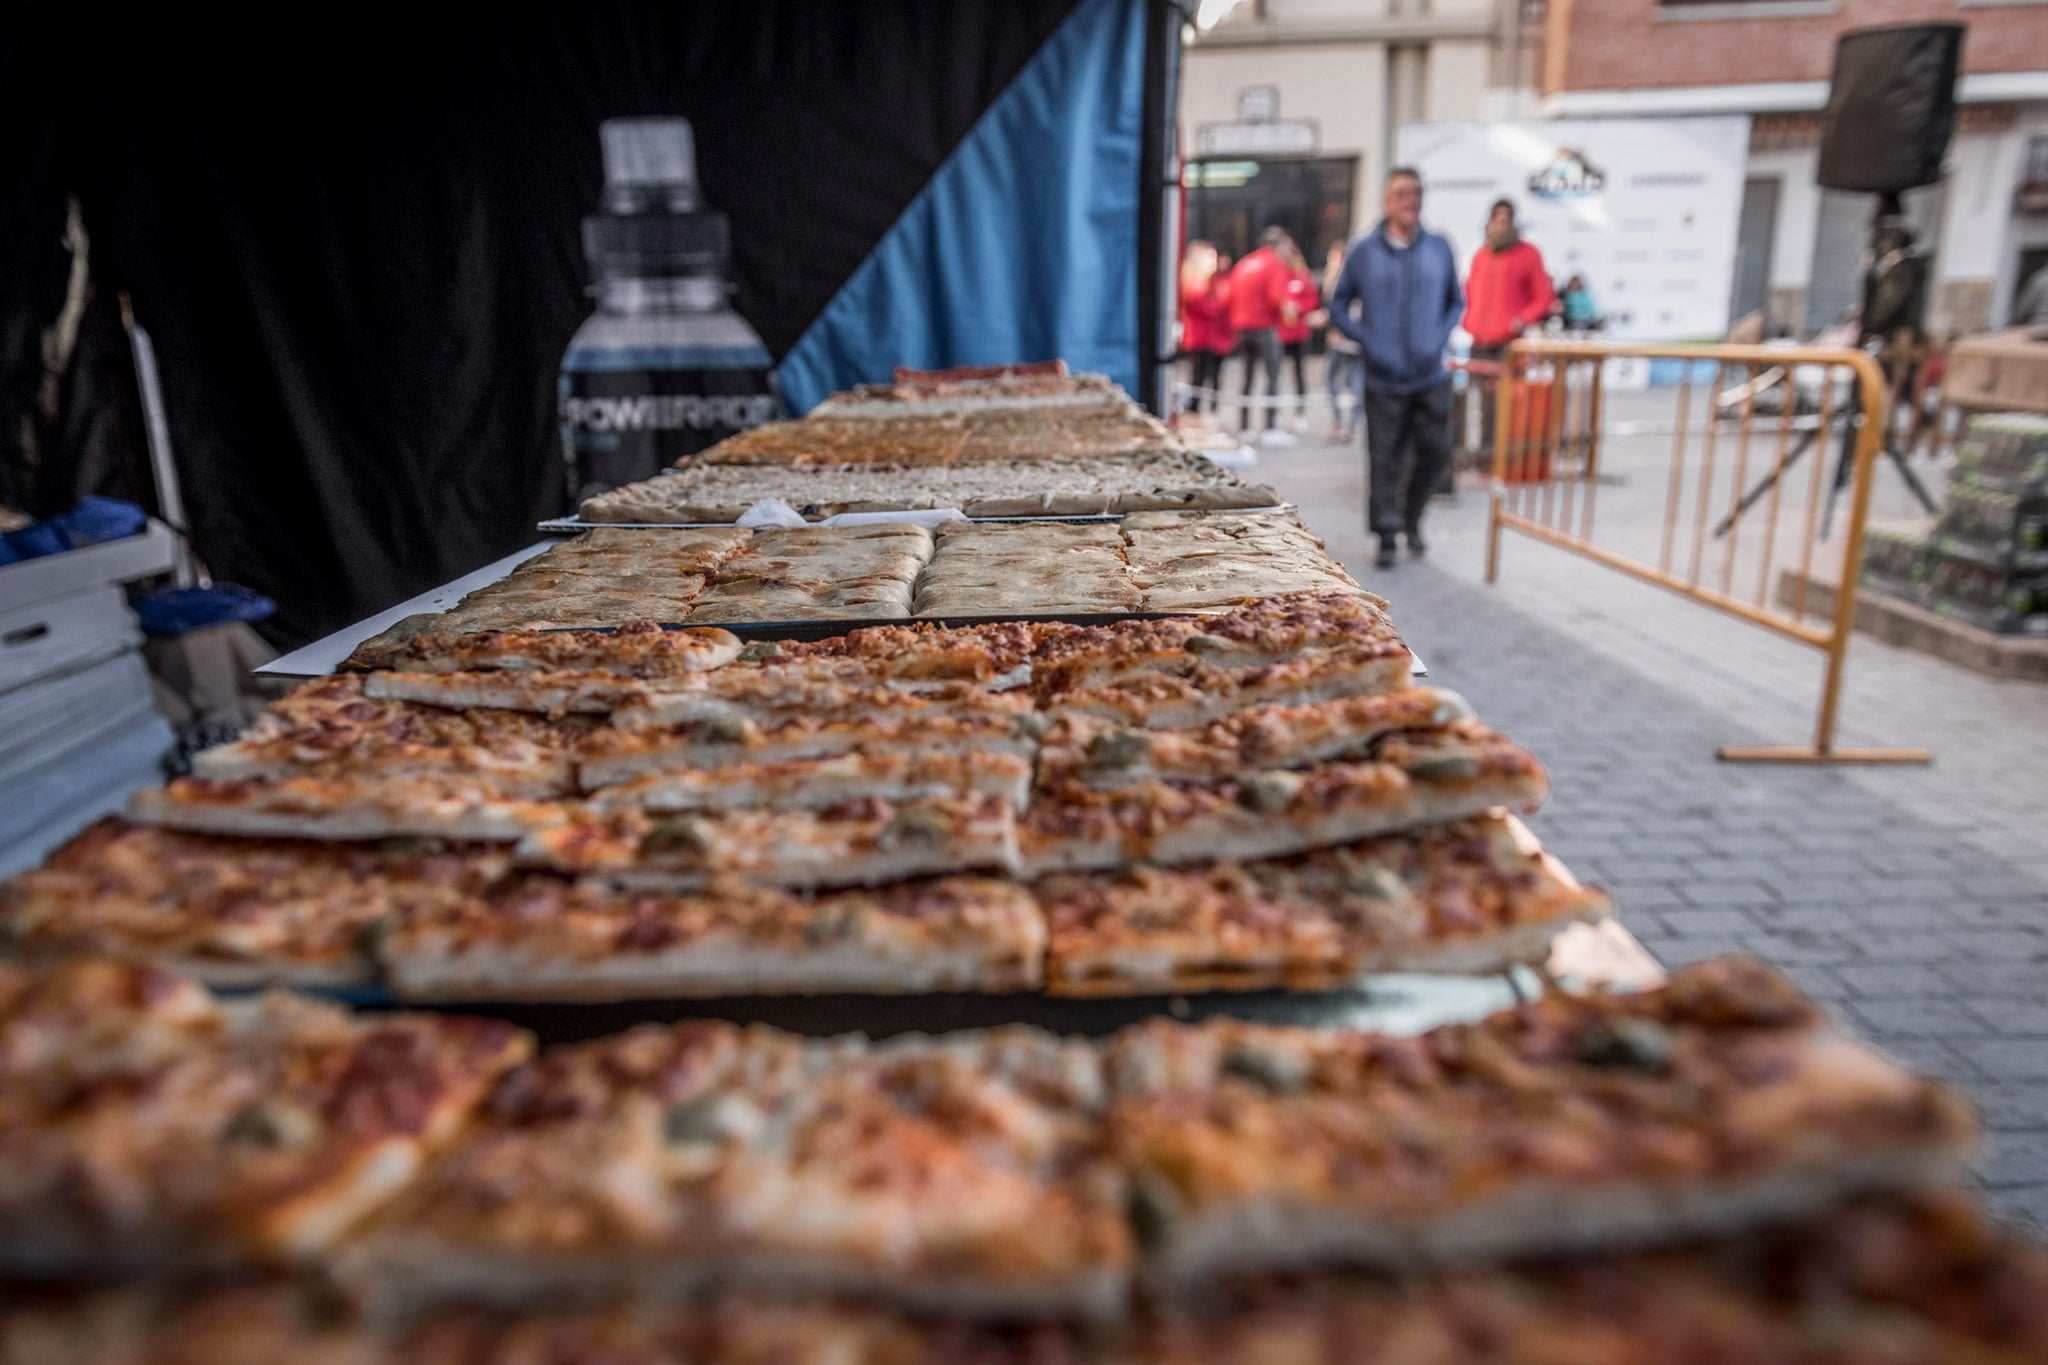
1298	316
1205	332
1507	293
1258	288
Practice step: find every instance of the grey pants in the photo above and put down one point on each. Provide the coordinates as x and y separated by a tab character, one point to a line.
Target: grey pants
1407	448
1260	347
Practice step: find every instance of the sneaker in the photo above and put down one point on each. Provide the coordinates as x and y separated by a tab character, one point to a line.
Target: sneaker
1278	438
1386	559
1416	549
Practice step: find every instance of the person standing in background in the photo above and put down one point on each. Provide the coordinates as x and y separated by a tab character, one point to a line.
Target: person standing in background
1205	318
1507	293
1340	354
1581	315
1298	317
1258	288
1398	298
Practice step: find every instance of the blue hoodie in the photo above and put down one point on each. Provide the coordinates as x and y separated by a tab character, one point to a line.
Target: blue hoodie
1409	301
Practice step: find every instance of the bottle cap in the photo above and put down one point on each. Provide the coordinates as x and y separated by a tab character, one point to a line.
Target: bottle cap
650	166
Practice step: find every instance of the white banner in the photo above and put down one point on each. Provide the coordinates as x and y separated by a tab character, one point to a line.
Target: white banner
1644	209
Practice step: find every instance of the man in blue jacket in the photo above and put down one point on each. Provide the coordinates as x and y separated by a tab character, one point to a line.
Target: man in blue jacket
1397	296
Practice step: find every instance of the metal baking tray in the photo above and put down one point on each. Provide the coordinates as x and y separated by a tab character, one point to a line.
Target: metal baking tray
571	525
1601	955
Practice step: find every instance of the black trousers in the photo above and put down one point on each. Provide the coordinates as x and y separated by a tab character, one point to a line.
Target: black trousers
1260	346
1407	448
1297	356
1208	375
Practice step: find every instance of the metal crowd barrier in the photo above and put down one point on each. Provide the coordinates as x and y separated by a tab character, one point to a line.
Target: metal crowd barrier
1546	463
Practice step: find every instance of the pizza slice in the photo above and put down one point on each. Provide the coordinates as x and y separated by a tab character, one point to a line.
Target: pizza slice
1100	753
1476	896
332	727
1281	630
721	740
1161	701
229	912
995	656
958	1174
863	843
1409	781
1721	1101
772	697
577	1181
265	1146
543	937
1885	1279
224	1320
447	806
73	1022
821	783
635	649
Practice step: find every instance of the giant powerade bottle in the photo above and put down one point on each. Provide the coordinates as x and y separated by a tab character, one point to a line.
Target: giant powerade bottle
664	368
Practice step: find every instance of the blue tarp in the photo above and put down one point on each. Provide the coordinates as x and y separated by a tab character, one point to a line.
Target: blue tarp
1024	245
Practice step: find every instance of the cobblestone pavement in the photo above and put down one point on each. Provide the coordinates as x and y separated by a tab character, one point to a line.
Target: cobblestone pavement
1927	936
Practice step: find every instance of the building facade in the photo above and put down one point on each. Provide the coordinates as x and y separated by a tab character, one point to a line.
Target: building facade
1289	108
1801	245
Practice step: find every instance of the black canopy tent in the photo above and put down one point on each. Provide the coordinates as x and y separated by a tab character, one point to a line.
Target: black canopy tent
356	241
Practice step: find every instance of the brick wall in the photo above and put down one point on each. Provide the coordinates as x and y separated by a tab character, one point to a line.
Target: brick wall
1633	44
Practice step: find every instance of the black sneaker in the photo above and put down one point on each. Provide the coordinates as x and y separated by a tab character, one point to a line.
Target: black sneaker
1386	554
1416	549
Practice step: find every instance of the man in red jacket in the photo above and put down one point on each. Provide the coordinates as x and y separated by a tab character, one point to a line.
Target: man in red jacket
1258	289
1507	293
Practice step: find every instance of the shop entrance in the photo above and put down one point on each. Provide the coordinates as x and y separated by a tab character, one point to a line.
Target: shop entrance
1231	201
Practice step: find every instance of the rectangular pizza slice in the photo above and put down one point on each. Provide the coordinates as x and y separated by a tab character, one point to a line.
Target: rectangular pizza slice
1101	753
1883	1279
996	656
1410	780
67	1023
635	649
450	806
577	1180
1476	896
332	728
958	1174
863	843
820	783
265	1145
1281	630
1720	1101
1161	701
542	937
773	697
719	740
230	912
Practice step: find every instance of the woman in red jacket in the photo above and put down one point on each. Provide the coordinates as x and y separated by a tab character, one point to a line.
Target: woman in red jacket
1205	332
1508	293
1298	317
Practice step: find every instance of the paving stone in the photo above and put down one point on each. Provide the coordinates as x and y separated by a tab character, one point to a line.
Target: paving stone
2023	1206
2005	1059
2014	1018
1917	1017
2014	1159
1890	979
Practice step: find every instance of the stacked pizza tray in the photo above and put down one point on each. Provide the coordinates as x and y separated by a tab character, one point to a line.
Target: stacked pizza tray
1248	800
1150	562
1701	1172
1016	445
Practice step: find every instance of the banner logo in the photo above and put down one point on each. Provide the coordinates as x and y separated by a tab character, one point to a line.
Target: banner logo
1568	176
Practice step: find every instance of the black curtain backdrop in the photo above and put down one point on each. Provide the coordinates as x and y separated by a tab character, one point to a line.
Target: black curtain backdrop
354	236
